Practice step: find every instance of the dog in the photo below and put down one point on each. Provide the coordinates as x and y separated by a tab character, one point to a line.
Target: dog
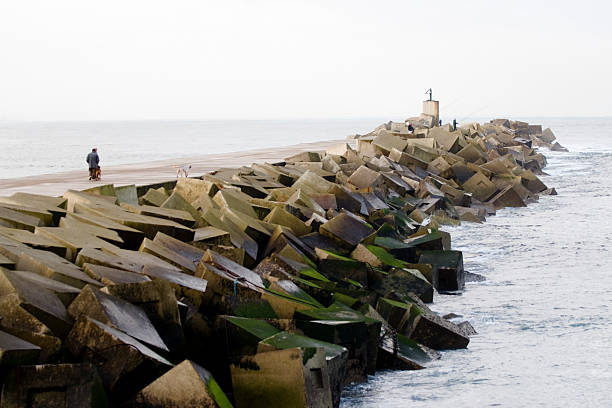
184	170
97	174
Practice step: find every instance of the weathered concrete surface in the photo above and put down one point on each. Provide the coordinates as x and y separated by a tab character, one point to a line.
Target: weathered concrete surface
61	385
300	376
185	385
125	364
117	313
15	351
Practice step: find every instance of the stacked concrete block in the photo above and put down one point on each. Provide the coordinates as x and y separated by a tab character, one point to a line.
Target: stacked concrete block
269	285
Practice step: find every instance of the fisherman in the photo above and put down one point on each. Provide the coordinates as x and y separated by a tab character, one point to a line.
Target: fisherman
92	160
410	127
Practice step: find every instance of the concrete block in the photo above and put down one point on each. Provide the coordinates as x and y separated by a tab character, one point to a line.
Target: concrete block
154	197
347	230
6	262
259	231
548	136
112	276
179	203
126	194
398	352
408	160
468	214
281	217
46	218
33	240
231	268
117	313
508	197
36	300
440	167
16	219
462	172
395	313
51	204
130	236
480	187
186	384
365	179
386	142
241	335
403	281
158	300
54	385
185	250
225	198
19	322
86	198
146	224
330	165
185	264
15	351
448	270
282	305
336	357
334	322
311	182
65	293
456	196
54	267
304	157
471	153
102	190
97	257
299	375
238	237
531	182
73	239
211	236
124	364
103	233
433	331
185	286
122	259
282	237
302	198
192	189
178	216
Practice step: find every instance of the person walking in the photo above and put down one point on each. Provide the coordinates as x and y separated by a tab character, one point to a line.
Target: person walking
92	160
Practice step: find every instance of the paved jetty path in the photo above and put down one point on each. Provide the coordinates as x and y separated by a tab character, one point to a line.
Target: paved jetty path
152	172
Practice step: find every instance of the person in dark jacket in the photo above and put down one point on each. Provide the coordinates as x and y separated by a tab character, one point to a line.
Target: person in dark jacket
92	160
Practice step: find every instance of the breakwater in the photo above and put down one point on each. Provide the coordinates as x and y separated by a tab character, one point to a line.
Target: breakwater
306	275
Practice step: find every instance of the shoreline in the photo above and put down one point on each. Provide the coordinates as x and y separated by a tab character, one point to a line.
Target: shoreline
152	172
322	265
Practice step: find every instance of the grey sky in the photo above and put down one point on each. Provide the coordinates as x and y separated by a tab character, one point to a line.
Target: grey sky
77	59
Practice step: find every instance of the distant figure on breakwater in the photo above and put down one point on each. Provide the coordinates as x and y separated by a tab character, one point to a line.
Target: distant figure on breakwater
183	170
92	160
410	127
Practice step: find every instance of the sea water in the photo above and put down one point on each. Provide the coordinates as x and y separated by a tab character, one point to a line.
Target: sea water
544	314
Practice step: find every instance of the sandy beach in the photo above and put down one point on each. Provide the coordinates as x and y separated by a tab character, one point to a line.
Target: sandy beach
151	172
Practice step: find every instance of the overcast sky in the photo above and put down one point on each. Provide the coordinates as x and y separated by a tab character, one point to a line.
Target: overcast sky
80	60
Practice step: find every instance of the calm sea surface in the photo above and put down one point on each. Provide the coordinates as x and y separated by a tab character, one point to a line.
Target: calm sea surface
544	315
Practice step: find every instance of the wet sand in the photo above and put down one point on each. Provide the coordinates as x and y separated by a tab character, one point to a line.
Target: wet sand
152	172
